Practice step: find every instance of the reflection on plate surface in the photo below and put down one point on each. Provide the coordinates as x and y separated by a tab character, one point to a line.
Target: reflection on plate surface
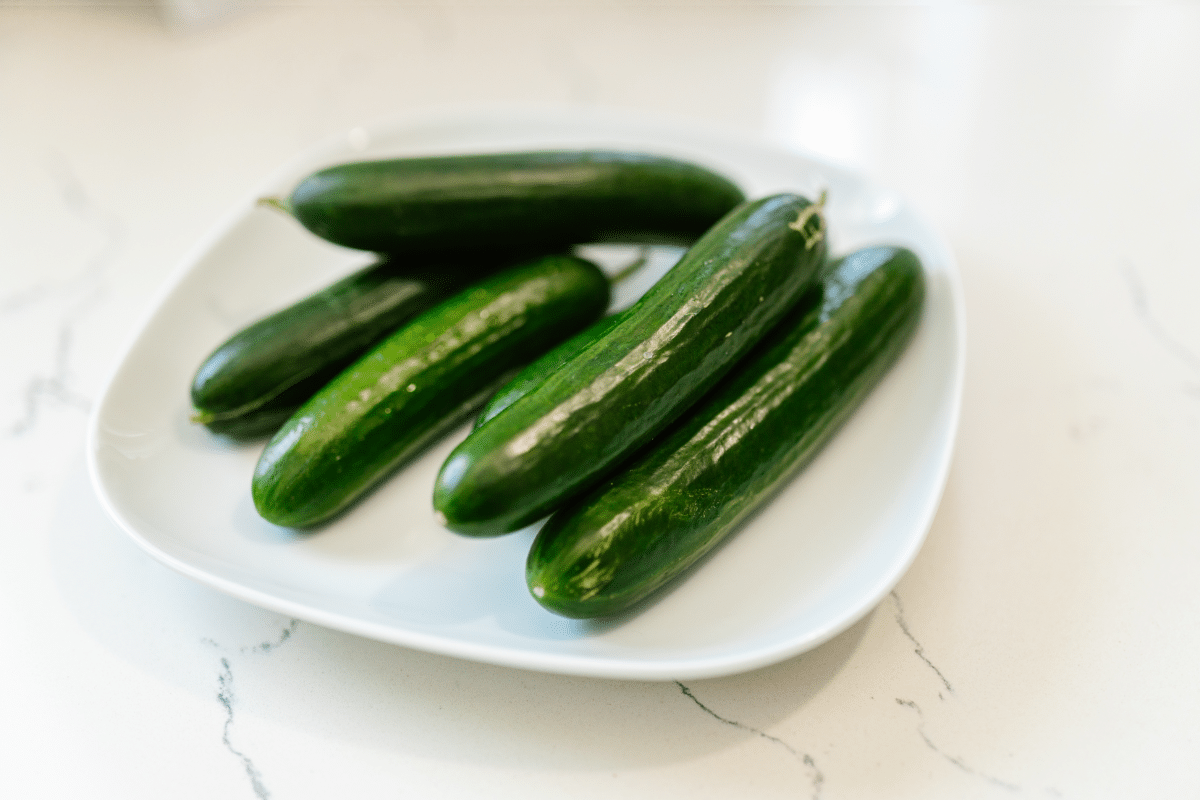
808	566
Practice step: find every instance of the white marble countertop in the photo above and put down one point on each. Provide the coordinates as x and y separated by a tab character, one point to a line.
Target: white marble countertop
1043	644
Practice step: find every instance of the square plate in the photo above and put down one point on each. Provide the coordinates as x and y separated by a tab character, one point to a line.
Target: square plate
805	568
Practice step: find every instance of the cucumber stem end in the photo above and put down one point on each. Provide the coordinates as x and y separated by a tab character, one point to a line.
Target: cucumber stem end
280	203
630	268
812	239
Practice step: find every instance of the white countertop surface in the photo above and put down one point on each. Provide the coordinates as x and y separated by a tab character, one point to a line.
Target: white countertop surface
1043	644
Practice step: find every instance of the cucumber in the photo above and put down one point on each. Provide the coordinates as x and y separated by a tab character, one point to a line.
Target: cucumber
692	487
258	378
418	383
669	348
535	374
522	202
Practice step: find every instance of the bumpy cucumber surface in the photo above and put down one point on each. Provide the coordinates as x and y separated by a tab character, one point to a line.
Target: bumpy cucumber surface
667	349
691	488
258	378
416	384
529	201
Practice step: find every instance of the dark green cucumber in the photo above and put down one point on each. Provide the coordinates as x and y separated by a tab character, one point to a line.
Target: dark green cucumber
416	384
668	349
526	202
535	374
258	378
692	487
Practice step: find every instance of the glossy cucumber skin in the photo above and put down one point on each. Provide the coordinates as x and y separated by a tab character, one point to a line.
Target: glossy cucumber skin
416	384
525	202
535	374
668	349
692	488
257	378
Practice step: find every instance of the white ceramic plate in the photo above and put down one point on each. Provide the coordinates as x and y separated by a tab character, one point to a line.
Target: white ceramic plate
816	560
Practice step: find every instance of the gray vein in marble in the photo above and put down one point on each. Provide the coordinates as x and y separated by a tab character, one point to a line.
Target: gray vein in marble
285	634
918	649
818	778
1177	349
39	389
225	697
956	761
86	288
